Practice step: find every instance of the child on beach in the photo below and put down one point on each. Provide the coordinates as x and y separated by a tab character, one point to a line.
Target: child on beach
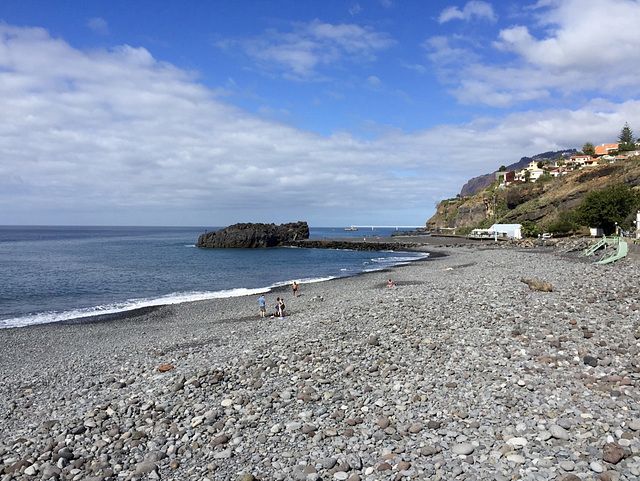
262	303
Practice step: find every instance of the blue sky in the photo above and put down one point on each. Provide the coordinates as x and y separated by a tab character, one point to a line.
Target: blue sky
334	112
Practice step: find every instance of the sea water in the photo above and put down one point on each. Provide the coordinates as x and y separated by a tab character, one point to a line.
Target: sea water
53	273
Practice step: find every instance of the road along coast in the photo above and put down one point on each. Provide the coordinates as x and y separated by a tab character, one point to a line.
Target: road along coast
460	372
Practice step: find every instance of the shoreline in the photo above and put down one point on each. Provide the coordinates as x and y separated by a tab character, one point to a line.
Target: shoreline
459	371
134	311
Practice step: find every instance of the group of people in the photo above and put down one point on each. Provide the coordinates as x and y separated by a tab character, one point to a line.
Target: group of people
279	307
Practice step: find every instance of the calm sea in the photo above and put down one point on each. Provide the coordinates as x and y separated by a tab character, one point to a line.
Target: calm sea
52	274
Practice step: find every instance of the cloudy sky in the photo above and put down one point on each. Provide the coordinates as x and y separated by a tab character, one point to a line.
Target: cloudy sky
336	112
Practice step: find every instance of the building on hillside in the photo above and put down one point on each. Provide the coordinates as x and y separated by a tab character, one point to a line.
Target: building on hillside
506	178
606	149
510	231
498	232
534	171
579	159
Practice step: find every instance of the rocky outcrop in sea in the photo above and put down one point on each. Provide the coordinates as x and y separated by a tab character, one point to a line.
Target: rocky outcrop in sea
251	235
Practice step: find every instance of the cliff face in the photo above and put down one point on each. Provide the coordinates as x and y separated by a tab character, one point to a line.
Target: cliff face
250	235
539	202
455	213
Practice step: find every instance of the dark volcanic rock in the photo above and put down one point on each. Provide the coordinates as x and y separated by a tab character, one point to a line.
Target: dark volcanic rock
249	235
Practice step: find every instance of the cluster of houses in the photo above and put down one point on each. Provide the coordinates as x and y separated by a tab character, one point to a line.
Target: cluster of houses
603	153
534	170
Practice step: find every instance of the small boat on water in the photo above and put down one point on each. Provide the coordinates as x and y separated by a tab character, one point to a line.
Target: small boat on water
351	229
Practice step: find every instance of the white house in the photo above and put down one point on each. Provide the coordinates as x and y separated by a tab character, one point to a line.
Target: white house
535	172
498	231
510	231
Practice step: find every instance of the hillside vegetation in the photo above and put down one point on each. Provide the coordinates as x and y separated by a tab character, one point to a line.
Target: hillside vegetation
475	184
541	203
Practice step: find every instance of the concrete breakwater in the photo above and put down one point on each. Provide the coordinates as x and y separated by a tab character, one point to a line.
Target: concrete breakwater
408	243
459	372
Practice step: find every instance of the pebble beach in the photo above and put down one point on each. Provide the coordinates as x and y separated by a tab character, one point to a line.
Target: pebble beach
461	371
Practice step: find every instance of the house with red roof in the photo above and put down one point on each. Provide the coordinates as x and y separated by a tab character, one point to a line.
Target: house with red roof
606	149
590	162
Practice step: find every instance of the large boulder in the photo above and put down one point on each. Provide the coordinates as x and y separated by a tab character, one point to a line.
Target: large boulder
250	235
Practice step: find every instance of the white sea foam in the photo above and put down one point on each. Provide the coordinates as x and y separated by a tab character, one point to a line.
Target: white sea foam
130	305
376	263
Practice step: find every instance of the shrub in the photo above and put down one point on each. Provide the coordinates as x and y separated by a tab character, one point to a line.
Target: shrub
529	229
608	207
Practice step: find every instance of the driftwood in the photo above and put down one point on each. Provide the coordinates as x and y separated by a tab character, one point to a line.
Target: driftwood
536	285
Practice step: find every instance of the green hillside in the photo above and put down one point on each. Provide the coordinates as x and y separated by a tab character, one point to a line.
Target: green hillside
548	205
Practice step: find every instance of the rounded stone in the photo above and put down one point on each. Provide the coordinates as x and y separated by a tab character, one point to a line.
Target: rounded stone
516	458
463	449
559	432
517	442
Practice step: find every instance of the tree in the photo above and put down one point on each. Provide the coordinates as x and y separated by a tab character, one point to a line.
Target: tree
608	207
565	224
546	177
529	229
626	139
588	149
502	169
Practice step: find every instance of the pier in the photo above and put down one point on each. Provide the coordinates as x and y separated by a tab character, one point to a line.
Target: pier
396	227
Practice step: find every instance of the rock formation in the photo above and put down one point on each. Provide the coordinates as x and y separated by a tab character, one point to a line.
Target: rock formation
537	285
249	235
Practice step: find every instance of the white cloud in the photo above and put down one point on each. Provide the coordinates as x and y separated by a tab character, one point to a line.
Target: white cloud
118	132
311	47
374	82
577	47
116	137
472	9
443	52
416	67
355	9
584	36
98	25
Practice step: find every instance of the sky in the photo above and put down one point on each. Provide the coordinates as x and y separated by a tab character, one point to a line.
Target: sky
334	112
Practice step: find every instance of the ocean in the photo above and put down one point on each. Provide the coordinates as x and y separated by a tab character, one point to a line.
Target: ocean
54	273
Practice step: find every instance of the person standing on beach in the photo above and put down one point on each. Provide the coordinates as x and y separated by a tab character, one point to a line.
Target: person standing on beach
294	288
262	302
